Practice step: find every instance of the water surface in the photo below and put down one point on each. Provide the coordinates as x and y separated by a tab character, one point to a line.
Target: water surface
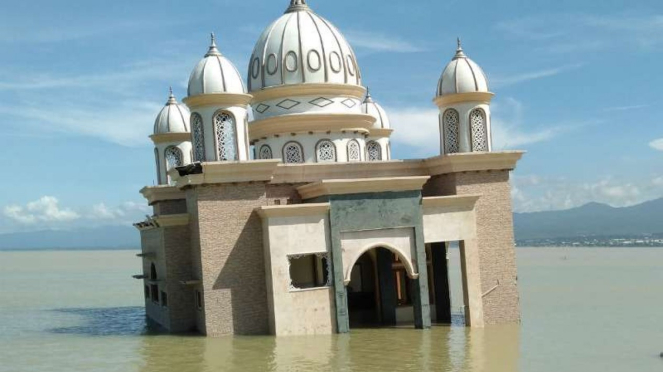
583	310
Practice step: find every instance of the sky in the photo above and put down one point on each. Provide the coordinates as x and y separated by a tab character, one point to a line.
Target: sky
577	86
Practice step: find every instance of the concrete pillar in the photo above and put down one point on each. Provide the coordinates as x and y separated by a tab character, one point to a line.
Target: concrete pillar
471	270
420	285
441	279
387	286
340	291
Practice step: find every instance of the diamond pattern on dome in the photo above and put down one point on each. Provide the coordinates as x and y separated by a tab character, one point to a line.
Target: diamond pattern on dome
321	102
349	103
262	108
287	104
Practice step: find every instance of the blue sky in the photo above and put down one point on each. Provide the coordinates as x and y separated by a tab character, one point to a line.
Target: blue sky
576	82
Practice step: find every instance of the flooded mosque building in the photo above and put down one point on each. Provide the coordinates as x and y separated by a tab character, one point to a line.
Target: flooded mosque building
298	221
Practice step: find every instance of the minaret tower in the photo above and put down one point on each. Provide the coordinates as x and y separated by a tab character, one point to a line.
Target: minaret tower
378	146
464	101
172	138
219	110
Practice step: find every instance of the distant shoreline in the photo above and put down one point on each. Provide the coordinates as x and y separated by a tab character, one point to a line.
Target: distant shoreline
70	249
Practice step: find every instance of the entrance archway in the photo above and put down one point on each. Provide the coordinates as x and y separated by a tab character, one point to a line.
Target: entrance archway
379	290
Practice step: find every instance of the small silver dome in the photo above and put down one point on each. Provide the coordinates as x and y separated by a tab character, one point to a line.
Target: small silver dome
302	47
173	118
215	74
462	75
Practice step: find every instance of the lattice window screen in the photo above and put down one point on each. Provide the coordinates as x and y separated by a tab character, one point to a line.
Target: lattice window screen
173	158
224	126
326	152
478	127
354	152
265	152
451	129
198	138
374	151
292	153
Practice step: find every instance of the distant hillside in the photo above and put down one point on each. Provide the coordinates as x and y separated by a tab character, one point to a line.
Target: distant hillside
593	219
96	238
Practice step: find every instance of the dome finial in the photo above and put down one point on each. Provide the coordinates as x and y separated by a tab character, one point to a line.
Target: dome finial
297	5
171	97
459	50
368	98
213	51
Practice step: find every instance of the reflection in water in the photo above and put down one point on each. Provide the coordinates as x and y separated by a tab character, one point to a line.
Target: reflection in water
111	321
442	348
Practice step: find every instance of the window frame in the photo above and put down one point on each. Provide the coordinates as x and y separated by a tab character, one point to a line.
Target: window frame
216	135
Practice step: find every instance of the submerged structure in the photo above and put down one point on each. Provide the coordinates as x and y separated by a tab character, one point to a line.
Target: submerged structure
299	222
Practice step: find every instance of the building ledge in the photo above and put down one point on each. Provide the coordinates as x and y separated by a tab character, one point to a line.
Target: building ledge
227	172
155	194
190	282
361	185
295	210
140	276
464	202
473	161
171	137
167	220
304	123
146	255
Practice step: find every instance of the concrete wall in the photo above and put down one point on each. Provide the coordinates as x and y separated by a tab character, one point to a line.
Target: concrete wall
495	239
152	243
297	311
177	251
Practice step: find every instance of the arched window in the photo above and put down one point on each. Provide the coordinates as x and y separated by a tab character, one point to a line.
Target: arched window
173	157
325	152
265	152
153	272
156	157
293	153
198	137
373	151
451	129
479	132
354	151
224	127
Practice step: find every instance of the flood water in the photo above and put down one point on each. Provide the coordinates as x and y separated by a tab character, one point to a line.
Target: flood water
583	310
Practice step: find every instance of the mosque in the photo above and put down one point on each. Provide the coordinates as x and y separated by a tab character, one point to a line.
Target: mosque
295	220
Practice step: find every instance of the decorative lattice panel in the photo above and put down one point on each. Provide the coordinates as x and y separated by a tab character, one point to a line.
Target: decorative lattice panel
326	152
198	138
451	128
478	127
173	158
265	152
292	153
224	126
374	151
354	152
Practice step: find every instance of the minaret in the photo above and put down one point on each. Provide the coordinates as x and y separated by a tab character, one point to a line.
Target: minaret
378	146
219	109
171	138
464	102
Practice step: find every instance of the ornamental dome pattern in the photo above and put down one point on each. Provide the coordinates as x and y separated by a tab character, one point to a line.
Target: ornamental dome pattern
215	74
372	108
462	75
302	47
173	118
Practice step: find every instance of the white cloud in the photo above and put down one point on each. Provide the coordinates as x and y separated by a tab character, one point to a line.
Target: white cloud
379	42
120	213
45	209
501	81
625	108
657	144
555	193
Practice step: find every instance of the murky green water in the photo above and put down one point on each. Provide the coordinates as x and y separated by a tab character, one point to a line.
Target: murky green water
583	310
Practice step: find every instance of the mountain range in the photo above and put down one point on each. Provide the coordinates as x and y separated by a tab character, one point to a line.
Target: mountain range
590	220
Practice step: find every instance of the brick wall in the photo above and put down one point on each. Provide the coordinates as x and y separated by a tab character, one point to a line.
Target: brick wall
169	207
178	268
495	237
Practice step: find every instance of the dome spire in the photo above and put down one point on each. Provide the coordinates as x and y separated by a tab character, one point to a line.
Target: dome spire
213	51
297	5
368	98
459	50
171	98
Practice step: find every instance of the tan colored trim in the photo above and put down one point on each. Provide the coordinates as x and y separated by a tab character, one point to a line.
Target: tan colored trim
309	172
171	137
155	194
380	132
362	185
299	90
169	220
465	202
296	210
473	161
226	99
304	123
482	97
228	172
